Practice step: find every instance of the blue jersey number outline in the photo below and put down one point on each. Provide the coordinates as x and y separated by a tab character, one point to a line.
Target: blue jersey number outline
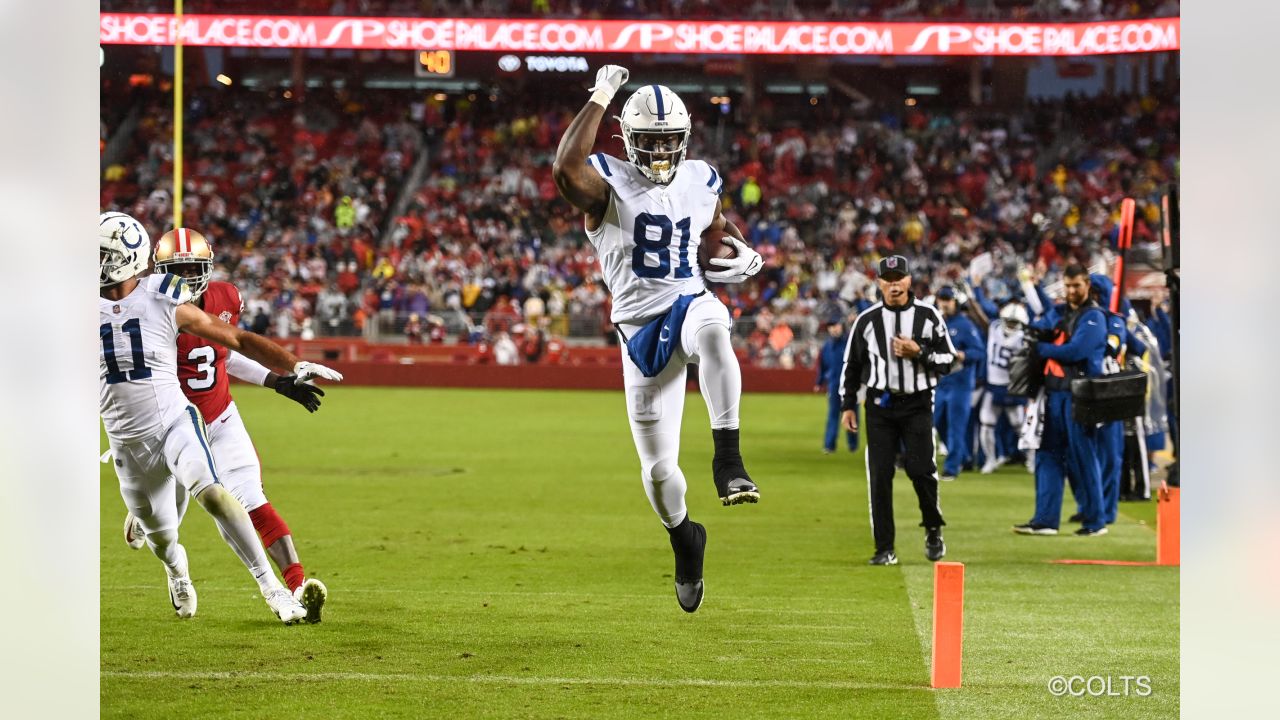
1004	355
660	247
140	371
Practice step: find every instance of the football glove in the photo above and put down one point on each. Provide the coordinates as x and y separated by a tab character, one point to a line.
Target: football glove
736	269
609	79
305	394
307	371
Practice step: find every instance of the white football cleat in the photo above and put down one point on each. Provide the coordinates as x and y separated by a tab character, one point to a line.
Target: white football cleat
182	593
134	536
312	594
283	604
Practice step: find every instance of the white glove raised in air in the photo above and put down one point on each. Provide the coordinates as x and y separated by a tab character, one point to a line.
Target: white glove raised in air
609	79
307	372
736	269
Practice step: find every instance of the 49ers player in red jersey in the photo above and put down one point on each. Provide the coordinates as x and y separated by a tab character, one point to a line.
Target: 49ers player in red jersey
203	368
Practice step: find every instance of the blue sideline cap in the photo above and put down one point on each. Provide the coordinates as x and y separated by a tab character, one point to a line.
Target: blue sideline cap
946	292
894	267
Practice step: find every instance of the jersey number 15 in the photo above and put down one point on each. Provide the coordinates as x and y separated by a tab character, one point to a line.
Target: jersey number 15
660	247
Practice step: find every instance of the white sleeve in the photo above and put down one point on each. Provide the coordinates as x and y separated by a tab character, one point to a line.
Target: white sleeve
245	369
1033	298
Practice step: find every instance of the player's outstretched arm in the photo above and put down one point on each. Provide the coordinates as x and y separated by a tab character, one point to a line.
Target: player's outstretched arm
305	394
578	183
255	347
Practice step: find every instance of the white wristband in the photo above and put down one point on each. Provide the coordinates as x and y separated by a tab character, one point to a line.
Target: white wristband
601	98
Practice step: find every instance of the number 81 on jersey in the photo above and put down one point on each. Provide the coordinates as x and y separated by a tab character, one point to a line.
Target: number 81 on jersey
661	247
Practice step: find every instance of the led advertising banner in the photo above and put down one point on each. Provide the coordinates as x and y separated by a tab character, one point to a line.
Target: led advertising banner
623	36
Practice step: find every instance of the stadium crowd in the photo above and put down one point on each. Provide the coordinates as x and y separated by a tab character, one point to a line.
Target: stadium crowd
299	206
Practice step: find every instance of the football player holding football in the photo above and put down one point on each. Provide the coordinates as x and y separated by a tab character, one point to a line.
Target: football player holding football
646	216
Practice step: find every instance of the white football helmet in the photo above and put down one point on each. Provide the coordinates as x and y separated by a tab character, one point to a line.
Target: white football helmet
1014	316
655	131
123	248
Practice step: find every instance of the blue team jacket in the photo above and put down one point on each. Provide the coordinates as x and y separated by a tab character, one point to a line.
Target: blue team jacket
830	362
965	337
1081	355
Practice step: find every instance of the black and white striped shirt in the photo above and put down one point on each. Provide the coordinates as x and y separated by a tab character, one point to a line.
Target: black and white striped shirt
869	359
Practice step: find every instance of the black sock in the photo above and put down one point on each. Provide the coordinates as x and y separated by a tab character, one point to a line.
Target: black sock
681	533
727	455
684	538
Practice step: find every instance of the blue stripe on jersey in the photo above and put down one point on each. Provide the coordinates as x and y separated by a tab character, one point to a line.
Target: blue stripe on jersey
164	283
711	183
603	164
204	444
177	289
657	91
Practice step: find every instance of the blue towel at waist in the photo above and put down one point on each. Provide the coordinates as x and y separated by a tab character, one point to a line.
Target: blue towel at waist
652	346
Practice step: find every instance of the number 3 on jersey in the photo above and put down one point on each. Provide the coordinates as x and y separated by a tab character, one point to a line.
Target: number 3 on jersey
203	357
661	247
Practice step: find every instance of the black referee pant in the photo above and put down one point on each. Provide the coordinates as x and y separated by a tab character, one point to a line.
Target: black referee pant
903	421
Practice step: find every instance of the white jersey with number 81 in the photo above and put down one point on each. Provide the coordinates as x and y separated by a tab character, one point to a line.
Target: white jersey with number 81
138	358
648	242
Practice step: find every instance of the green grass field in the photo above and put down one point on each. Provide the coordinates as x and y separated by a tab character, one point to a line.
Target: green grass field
492	554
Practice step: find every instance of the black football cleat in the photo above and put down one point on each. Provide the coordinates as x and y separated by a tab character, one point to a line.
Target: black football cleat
689	542
934	548
737	488
1030	528
884	557
1086	532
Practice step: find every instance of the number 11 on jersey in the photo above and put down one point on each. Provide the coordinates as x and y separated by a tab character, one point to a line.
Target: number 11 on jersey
140	371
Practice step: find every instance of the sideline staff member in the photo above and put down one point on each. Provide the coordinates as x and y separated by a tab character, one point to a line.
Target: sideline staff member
1076	346
898	348
830	364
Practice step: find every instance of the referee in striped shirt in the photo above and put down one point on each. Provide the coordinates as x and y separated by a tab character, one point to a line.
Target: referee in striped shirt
898	348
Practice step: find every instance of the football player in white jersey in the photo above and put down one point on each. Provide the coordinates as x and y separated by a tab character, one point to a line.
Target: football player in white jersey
156	435
1003	340
645	216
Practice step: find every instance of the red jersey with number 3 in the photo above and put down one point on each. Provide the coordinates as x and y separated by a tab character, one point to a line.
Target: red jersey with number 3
202	365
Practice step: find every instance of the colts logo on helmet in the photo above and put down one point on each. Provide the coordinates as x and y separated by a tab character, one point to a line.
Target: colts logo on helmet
124	237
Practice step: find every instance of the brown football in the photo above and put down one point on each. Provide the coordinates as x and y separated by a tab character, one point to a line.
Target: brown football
712	247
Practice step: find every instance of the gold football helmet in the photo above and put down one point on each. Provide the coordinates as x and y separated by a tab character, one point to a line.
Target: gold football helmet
188	254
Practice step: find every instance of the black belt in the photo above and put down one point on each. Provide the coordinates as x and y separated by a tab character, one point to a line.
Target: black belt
888	398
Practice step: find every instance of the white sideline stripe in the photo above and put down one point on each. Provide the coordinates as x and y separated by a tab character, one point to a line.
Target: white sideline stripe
538	593
823	661
499	679
830	643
